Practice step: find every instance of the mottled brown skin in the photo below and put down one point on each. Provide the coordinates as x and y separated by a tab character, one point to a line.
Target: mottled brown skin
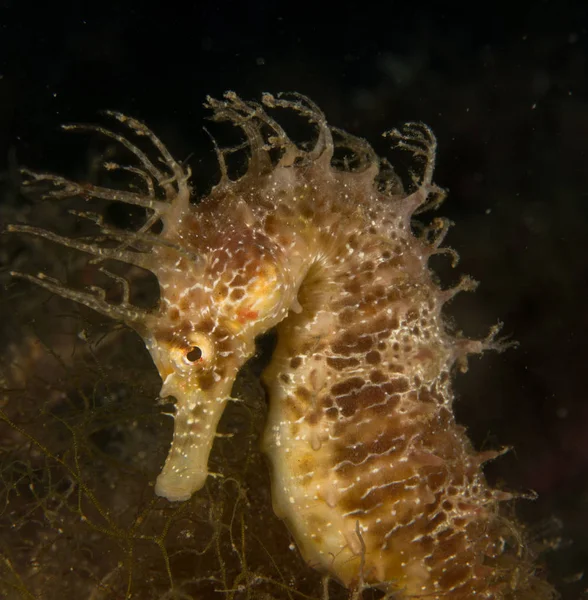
374	478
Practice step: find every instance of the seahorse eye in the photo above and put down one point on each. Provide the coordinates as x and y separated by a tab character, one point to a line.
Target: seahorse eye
194	354
200	350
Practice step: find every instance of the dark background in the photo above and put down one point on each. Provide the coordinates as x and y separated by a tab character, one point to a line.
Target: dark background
504	88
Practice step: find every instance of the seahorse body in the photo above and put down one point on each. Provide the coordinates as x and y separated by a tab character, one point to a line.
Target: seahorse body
376	481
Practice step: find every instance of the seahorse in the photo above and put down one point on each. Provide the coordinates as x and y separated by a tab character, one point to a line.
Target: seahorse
378	484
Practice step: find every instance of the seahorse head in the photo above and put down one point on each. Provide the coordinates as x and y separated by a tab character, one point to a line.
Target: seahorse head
213	303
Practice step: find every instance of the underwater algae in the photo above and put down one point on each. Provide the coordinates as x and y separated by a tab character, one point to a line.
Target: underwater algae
379	487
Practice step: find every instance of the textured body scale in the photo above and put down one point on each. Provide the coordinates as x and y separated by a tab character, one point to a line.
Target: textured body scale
377	483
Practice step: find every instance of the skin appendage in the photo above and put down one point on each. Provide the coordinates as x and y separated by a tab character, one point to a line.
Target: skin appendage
377	483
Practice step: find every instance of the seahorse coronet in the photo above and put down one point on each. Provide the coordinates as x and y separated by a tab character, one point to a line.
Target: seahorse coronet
376	481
